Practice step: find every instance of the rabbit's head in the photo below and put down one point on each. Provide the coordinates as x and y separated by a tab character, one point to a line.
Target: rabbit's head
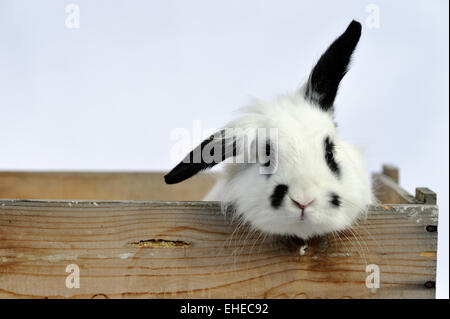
288	172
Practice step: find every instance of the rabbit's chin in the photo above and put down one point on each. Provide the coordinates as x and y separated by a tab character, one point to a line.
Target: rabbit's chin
289	222
312	225
286	220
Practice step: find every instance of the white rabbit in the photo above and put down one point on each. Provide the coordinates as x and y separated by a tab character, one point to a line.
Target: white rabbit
317	183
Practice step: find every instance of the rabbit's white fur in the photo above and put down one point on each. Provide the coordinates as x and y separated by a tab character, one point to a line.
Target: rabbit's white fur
319	185
302	128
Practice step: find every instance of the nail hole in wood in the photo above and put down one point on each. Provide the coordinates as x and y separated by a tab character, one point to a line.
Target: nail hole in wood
431	228
430	284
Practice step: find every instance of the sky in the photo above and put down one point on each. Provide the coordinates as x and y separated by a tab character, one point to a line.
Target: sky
106	93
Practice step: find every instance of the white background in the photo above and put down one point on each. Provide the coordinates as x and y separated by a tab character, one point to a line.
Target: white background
107	96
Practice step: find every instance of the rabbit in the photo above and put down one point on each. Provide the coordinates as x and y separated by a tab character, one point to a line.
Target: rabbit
308	182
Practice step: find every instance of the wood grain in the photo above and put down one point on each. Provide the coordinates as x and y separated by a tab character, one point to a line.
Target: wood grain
426	196
392	172
388	191
38	239
101	186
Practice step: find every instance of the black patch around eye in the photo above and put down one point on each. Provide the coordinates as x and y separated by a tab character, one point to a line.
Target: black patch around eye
278	195
329	156
335	200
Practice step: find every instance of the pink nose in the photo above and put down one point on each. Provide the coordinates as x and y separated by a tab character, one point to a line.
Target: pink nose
302	207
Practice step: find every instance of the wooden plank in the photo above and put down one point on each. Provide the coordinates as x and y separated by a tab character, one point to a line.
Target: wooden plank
138	186
392	172
211	259
388	191
426	196
101	186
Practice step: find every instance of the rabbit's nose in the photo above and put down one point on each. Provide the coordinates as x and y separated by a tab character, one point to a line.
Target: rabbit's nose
302	206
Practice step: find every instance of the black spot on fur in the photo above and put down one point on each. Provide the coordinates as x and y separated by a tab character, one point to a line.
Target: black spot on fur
325	77
329	156
335	200
278	195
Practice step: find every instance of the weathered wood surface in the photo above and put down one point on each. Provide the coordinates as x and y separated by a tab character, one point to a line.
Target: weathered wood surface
426	196
101	186
388	191
392	172
143	186
211	259
155	249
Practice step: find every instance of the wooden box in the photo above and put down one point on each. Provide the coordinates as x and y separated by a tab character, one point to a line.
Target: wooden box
128	235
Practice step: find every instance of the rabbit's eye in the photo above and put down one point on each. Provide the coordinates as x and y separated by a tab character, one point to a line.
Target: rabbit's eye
329	156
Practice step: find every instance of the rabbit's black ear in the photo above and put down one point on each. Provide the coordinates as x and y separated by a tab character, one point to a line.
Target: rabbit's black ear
210	152
324	79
